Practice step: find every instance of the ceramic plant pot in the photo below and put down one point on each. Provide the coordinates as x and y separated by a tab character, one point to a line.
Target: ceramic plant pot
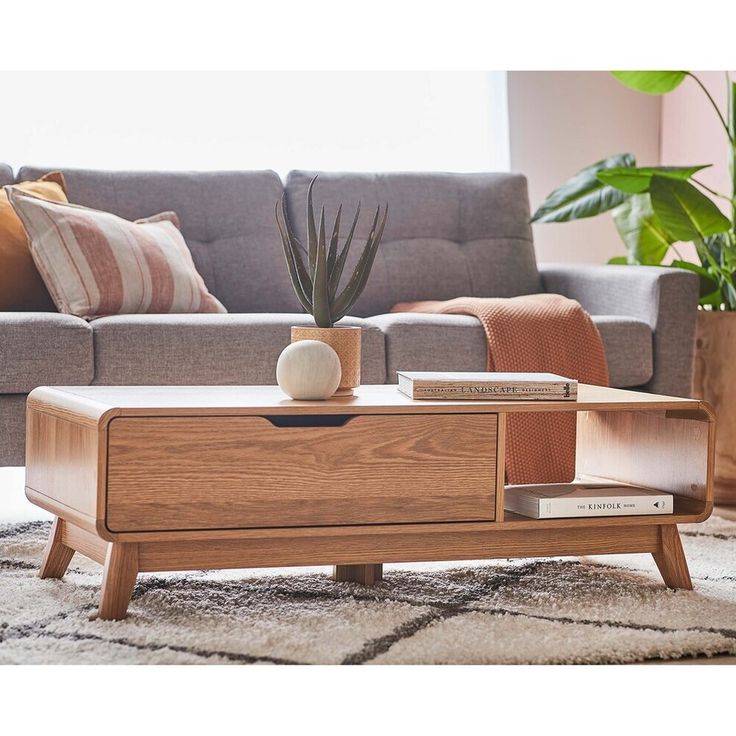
345	341
715	358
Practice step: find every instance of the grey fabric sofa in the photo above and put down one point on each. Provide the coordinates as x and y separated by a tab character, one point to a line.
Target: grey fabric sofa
448	235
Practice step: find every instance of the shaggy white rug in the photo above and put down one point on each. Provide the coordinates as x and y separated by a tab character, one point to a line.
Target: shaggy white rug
607	610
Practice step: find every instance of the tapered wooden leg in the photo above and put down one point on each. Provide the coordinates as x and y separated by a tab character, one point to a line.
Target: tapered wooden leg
121	570
57	556
670	558
363	574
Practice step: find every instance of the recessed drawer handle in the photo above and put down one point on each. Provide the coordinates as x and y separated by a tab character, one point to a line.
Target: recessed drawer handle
309	420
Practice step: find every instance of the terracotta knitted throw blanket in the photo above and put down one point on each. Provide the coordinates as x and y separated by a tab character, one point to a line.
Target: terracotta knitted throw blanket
536	333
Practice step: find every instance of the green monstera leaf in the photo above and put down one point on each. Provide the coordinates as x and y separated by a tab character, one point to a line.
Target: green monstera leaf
585	195
710	292
651	83
684	211
637	180
640	229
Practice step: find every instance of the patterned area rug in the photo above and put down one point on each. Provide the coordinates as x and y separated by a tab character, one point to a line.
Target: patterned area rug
566	610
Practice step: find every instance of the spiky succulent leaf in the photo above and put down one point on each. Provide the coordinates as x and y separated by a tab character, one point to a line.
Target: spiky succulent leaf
320	289
316	271
332	252
311	230
293	261
358	280
336	272
299	254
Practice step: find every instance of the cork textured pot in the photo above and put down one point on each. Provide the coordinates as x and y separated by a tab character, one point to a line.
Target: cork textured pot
345	341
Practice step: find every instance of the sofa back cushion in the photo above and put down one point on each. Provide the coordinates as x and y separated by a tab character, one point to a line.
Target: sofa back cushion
447	235
227	220
6	175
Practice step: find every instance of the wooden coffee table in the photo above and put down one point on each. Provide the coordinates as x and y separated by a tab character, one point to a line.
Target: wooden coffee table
181	478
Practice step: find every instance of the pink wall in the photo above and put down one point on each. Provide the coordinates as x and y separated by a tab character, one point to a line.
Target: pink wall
560	122
691	132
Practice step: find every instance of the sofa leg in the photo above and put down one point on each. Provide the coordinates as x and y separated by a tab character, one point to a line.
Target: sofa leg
363	574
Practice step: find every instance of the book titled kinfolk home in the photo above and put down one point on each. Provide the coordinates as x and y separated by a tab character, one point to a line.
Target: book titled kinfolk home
560	500
487	386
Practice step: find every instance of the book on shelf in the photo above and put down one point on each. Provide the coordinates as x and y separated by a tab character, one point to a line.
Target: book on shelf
581	498
487	386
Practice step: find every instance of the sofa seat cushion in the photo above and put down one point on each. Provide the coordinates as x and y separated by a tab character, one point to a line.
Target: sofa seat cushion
43	349
207	349
456	342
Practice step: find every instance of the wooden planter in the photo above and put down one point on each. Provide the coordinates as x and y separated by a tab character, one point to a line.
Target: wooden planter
346	342
713	381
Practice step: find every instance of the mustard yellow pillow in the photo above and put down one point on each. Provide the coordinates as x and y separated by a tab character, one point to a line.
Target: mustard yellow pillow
21	286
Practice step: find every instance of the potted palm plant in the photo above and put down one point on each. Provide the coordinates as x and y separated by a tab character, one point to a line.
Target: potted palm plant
316	271
656	207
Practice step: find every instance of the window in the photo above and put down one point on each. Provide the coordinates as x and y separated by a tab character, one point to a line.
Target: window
446	121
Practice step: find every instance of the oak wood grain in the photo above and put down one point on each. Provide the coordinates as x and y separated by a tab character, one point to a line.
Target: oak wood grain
667	451
100	404
204	453
363	574
59	509
670	559
118	580
85	542
61	460
230	472
500	468
407	543
713	381
57	555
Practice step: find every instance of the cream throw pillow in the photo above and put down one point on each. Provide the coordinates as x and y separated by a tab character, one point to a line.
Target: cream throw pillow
96	264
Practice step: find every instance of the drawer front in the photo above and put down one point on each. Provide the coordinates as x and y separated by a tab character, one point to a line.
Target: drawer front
173	473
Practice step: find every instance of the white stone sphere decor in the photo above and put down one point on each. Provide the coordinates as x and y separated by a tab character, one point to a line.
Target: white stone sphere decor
308	370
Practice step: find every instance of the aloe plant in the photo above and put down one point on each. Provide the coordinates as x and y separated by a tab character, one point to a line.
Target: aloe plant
655	207
317	281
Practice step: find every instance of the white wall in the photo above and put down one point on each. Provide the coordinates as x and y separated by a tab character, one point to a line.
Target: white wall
560	122
453	121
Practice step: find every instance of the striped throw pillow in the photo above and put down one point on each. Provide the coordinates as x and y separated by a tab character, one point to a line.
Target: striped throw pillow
96	264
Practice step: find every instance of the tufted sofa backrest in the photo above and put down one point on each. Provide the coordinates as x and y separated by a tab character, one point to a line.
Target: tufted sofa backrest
447	235
227	219
6	175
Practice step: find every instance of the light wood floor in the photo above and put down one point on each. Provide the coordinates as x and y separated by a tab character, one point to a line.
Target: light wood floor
14	508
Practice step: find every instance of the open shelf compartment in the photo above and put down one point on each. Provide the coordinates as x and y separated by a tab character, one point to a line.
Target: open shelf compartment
667	450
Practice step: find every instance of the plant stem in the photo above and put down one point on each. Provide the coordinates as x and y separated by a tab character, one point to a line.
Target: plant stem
712	191
715	107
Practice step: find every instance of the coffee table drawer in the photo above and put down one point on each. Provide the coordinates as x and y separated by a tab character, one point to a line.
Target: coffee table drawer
173	473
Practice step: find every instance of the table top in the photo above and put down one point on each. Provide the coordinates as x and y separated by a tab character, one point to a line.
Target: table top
100	403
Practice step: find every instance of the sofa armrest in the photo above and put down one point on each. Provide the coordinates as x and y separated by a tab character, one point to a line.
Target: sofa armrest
44	348
665	298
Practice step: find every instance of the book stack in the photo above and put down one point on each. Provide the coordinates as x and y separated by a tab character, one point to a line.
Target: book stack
487	386
579	499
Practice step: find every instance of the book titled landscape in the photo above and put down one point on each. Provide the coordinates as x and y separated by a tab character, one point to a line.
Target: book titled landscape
561	500
487	386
